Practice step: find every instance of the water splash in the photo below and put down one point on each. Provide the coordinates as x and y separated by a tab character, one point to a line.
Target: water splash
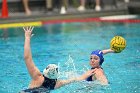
70	64
68	70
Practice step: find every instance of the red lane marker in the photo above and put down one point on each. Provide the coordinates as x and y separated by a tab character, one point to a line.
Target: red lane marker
91	20
70	20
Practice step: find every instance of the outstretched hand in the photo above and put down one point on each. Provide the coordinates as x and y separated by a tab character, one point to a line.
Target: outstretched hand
28	31
90	72
86	74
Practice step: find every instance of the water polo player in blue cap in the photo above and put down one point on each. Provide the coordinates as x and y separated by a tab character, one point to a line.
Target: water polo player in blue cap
96	61
49	79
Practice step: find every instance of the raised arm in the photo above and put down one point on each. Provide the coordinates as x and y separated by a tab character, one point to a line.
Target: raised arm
32	69
106	51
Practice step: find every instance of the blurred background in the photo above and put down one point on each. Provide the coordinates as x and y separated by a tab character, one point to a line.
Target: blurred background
65	33
32	10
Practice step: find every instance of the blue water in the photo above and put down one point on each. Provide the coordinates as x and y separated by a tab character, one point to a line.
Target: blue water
55	42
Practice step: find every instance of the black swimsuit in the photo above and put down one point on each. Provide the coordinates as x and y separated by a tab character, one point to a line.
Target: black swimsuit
47	85
90	77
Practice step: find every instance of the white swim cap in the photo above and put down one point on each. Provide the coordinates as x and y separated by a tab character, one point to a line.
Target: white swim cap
51	71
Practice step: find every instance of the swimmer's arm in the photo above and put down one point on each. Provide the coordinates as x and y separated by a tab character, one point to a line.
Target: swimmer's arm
61	83
80	78
86	75
32	69
106	51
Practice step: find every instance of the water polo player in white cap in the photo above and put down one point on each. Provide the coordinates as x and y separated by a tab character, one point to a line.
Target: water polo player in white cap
48	79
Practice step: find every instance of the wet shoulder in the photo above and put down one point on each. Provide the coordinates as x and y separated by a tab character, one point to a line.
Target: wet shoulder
99	71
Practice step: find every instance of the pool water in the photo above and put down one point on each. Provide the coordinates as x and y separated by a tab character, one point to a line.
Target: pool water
69	45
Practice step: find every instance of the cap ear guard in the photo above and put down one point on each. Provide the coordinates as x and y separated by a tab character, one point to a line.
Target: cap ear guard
101	61
51	71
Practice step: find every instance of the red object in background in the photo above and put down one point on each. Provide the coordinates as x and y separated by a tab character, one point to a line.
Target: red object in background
4	9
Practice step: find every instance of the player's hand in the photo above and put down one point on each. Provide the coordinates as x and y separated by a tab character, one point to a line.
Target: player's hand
28	31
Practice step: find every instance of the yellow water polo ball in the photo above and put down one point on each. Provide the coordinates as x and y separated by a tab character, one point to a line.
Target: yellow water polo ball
117	44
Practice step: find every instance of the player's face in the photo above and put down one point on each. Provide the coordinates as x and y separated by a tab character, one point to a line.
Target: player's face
94	61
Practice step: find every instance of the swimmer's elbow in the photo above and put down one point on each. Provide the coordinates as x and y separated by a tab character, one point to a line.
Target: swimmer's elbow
26	57
104	82
107	51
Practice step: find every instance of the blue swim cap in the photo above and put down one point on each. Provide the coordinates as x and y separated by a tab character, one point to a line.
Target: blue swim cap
99	53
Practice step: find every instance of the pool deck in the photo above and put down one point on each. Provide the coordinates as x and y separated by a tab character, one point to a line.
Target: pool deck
52	16
72	13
